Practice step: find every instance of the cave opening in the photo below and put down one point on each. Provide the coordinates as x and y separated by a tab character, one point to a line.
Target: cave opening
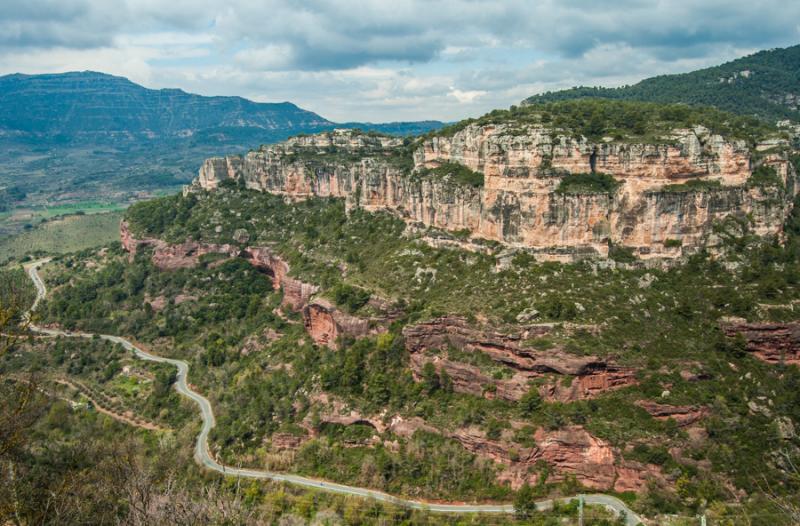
593	161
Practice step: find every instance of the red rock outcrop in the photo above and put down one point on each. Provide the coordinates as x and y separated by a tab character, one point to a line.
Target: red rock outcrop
324	322
684	415
583	376
296	293
771	342
282	441
171	256
569	451
523	165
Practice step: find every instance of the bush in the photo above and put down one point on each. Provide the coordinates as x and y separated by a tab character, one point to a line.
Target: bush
695	185
456	173
350	297
588	183
621	254
765	176
525	502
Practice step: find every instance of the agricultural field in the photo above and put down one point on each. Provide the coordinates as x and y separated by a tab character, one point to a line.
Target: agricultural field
63	234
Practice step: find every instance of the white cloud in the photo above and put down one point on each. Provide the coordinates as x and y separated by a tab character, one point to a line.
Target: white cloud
376	60
466	96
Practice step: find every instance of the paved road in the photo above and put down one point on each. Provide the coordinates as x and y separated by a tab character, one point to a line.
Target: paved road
201	451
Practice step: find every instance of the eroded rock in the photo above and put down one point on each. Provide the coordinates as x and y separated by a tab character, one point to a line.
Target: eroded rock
586	376
522	166
774	343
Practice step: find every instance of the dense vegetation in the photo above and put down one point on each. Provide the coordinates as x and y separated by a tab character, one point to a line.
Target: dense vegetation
264	377
587	183
454	173
621	120
771	76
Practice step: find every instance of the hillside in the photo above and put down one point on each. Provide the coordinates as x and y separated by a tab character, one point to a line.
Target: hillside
78	136
765	84
366	354
95	107
583	296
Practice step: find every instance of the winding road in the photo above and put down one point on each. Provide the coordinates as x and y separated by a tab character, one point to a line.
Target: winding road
201	451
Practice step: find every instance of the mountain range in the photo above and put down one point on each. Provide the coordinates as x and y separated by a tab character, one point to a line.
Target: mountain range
106	136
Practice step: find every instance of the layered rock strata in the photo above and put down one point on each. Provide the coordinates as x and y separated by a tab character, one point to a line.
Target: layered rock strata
324	322
776	343
518	205
683	415
558	375
569	451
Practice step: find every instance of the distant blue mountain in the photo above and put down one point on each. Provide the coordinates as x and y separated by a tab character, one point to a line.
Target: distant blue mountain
103	135
90	106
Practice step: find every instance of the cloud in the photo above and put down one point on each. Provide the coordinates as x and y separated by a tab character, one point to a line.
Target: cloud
466	96
378	60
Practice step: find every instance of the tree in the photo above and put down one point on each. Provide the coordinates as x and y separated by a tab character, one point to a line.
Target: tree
530	402
525	502
430	378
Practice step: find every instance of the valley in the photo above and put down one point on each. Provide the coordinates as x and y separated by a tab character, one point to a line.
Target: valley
578	310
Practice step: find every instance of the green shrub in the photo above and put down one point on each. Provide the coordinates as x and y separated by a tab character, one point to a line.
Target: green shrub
588	183
350	297
621	254
455	173
673	243
765	176
695	185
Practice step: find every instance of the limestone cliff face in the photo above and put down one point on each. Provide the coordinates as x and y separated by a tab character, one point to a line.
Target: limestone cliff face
518	204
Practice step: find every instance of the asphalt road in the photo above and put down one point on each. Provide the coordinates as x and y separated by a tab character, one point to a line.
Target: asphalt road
202	456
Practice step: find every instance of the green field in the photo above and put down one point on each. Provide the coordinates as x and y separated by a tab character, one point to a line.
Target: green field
66	234
12	222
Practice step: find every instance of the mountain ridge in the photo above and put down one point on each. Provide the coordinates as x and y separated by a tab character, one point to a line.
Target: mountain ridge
20	89
765	84
109	137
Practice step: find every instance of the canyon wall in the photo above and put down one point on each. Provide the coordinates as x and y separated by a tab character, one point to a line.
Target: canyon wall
519	204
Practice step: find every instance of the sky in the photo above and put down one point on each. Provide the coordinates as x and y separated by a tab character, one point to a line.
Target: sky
387	60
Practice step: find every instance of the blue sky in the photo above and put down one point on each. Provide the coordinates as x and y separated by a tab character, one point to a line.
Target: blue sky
386	60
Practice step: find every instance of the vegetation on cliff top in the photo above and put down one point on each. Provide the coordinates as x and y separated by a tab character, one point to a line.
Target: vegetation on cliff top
621	120
756	85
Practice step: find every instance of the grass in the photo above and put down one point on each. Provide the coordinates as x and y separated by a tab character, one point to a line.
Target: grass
23	218
67	234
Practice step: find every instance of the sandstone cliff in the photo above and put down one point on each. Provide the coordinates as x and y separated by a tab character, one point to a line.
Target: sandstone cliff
776	343
519	204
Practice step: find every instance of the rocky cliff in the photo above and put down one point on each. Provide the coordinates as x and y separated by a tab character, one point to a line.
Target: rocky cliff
522	202
324	322
776	343
457	347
